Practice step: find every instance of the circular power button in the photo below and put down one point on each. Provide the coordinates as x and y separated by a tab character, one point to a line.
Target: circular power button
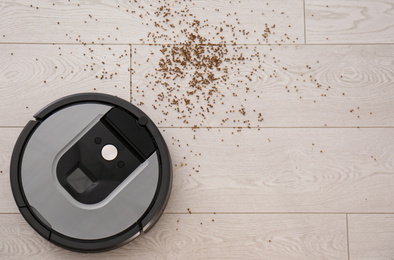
109	152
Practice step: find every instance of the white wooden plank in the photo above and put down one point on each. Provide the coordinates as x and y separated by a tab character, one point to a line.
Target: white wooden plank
269	170
31	76
282	170
351	21
8	138
206	236
326	85
125	21
371	236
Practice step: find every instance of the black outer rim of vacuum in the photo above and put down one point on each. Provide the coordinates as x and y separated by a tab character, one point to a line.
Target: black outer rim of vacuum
149	218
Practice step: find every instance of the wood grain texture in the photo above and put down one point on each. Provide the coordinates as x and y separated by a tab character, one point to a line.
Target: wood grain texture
202	236
8	138
371	236
269	170
295	86
31	76
275	190
351	21
125	21
282	170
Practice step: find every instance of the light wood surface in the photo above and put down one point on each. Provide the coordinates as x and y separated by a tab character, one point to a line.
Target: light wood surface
315	176
280	170
269	170
350	21
124	21
31	76
371	236
202	236
352	78
8	138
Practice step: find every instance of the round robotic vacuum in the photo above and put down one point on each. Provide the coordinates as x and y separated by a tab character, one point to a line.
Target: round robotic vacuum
91	172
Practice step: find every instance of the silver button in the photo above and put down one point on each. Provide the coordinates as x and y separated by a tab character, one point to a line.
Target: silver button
109	152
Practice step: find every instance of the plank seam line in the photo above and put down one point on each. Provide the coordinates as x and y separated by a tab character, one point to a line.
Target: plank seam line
347	237
279	213
258	127
257	213
131	75
303	2
279	127
160	44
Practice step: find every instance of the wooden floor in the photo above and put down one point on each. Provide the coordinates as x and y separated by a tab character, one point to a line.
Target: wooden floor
313	180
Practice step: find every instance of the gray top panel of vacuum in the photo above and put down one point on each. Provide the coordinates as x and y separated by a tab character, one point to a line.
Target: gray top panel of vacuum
50	143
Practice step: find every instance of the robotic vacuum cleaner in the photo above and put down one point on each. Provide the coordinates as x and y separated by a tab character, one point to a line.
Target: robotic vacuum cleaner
91	172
